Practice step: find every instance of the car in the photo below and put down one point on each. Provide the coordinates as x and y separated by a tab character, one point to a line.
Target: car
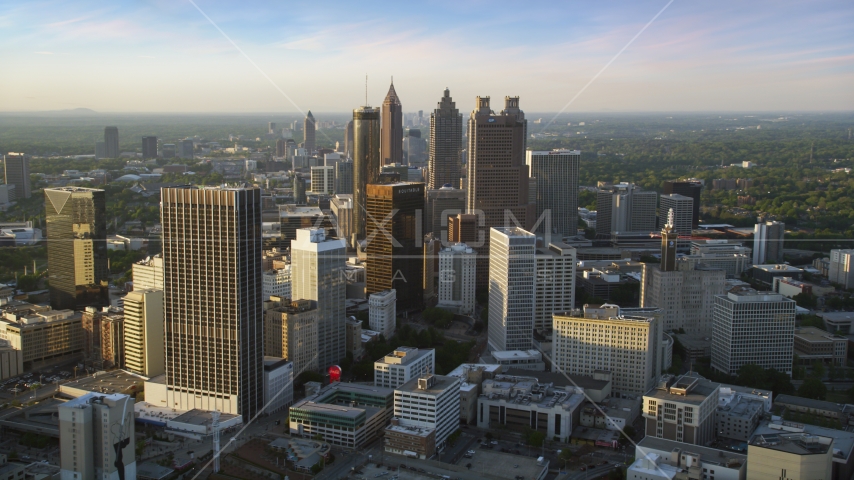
494	442
591	466
471	452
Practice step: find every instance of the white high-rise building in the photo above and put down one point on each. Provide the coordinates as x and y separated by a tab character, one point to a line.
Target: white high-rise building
683	211
277	283
555	283
686	294
556	174
402	365
768	243
143	332
148	273
624	207
457	278
323	179
382	312
512	269
841	269
753	327
627	342
429	401
317	265
96	438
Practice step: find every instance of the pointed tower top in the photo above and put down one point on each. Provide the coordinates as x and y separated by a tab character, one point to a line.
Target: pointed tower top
671	217
391	97
309	115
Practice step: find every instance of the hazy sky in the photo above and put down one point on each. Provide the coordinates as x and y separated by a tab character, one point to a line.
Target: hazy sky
165	56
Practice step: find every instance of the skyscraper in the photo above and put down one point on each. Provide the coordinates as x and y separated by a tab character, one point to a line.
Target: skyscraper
382	314
149	147
446	141
554	287
97	437
317	265
497	173
310	132
212	299
457	274
391	142
348	139
442	204
323	180
344	178
271	128
512	268
682	208
366	162
280	148
394	251
768	242
111	142
624	207
144	332
689	188
556	174
76	247
17	171
753	327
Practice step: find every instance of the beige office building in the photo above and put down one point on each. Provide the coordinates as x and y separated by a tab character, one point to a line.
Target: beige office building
148	273
290	331
96	438
42	334
144	332
790	456
686	295
607	338
682	409
554	286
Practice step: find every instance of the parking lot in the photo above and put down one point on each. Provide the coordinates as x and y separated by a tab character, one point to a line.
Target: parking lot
20	386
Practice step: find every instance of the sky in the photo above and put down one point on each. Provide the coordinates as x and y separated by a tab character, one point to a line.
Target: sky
290	56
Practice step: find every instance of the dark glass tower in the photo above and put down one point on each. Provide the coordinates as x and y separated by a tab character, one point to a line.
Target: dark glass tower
149	147
310	132
366	161
76	247
689	188
111	142
212	299
391	144
446	142
395	254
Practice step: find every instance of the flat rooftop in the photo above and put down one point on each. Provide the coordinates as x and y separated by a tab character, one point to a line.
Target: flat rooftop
460	372
784	399
695	395
709	455
440	384
116	381
812	334
504	465
842	441
201	417
560	379
508	355
796	443
410	430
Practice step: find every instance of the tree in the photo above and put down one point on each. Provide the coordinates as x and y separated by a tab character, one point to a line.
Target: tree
818	369
805	300
535	438
813	388
628	434
565	455
616	474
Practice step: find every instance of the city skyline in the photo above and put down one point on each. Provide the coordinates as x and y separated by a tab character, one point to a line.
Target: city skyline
690	58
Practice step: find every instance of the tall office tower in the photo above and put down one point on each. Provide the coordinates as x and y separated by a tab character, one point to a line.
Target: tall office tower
690	188
97	437
295	126
457	278
624	341
382	314
310	132
185	148
441	204
271	128
394	253
348	139
686	294
17	171
100	150
341	207
391	141
214	325
753	327
682	208
497	174
280	148
669	238
323	180
299	189
446	142
841	268
512	268
76	247
462	228
554	288
290	331
431	247
344	177
768	242
149	147
415	148
624	207
556	174
144	332
148	273
111	142
366	162
317	265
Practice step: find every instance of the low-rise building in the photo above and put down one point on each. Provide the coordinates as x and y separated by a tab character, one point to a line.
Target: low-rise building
790	455
11	360
521	359
429	401
11	471
673	460
42	334
96	437
739	411
829	410
411	441
471	377
303	453
402	365
682	409
612	413
765	463
766	273
815	345
521	403
345	414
